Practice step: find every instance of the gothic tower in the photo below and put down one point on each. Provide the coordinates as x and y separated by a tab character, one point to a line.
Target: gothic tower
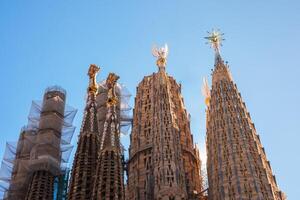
109	179
83	172
237	165
163	162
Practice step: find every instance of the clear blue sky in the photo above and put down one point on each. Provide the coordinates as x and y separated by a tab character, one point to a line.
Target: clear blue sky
50	42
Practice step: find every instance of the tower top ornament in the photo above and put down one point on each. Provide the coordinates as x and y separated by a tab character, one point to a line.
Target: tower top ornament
111	81
92	73
215	39
161	54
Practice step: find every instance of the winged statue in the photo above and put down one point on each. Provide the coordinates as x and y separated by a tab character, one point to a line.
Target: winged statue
161	54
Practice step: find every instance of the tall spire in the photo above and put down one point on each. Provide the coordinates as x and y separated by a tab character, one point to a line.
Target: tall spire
89	122
161	54
109	171
108	136
83	172
237	165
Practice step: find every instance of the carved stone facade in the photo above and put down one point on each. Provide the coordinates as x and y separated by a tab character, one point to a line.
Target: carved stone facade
85	161
83	170
41	186
98	168
163	163
237	165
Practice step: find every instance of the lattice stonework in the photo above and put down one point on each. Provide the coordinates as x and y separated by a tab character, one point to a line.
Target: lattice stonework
31	165
109	181
41	186
98	168
163	162
83	170
85	161
237	165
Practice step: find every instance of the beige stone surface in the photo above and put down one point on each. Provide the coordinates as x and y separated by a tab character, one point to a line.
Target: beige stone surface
163	161
237	165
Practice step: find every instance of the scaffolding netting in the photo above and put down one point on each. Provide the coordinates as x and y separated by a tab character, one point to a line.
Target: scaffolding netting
67	134
6	171
66	151
18	156
34	115
69	115
10	152
56	88
125	108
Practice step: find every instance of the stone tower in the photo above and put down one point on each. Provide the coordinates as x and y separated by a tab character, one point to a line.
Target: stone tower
45	155
163	161
83	172
109	181
33	166
237	165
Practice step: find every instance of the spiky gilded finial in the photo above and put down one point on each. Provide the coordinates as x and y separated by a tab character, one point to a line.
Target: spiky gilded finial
111	81
92	73
161	54
215	39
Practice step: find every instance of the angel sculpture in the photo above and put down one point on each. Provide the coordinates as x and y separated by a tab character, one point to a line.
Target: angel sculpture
161	54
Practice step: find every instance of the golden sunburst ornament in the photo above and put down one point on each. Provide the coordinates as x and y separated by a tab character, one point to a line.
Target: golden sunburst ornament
215	39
